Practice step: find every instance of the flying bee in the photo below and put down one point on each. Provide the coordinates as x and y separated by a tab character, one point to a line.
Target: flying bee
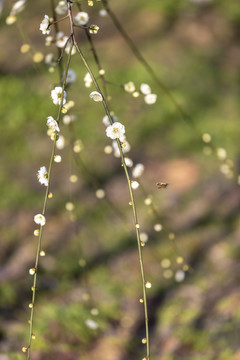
162	185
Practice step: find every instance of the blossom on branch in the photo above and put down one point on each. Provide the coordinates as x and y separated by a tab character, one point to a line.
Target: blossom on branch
42	175
44	26
56	95
115	131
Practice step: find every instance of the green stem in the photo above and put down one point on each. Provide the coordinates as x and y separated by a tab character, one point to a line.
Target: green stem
127	176
43	213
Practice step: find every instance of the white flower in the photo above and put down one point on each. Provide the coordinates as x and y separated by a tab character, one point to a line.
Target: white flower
157	227
106	120
61	39
102	12
91	324
49	59
87	80
57	158
60	142
96	96
61	8
42	175
17	7
48	40
115	131
67	119
44	25
81	18
71	76
93	29
67	49
145	89
221	153
179	275
52	124
134	185
144	237
124	145
56	95
138	170
129	87
40	219
128	162
150	99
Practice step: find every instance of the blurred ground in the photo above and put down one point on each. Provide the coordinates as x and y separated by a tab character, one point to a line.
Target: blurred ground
91	269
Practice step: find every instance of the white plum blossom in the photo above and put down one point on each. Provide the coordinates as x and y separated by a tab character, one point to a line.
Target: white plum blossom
91	324
128	162
145	89
57	158
18	6
106	120
49	59
134	185
67	49
42	175
60	144
93	29
143	237
67	119
96	96
87	80
138	170
52	124
71	76
129	87
115	131
61	39
61	8
40	219
56	95
102	12
179	275
221	153
49	40
150	99
81	18
124	145
44	25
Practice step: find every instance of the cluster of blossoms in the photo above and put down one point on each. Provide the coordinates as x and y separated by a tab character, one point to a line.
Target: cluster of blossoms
115	131
145	90
44	26
52	124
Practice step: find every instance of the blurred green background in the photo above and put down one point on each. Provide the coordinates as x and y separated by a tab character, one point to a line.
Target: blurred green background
91	267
